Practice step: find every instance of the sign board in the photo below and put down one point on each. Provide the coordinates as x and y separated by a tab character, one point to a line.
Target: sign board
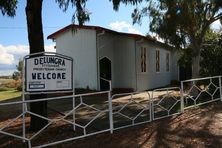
48	73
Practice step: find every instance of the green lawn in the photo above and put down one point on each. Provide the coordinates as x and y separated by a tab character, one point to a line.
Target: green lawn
10	94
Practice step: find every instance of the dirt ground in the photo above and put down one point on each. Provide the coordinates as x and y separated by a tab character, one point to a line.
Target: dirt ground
199	127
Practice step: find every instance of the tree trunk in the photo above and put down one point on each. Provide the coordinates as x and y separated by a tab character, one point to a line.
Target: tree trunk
195	58
196	66
34	25
195	69
35	36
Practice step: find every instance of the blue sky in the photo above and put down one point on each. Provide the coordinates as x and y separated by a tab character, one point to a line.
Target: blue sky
13	32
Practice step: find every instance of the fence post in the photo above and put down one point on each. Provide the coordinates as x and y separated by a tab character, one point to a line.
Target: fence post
24	105
220	88
152	107
182	98
29	144
74	111
23	117
110	108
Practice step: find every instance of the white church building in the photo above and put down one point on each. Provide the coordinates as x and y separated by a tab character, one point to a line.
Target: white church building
128	60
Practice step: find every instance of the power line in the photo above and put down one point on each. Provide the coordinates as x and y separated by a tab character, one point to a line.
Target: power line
47	27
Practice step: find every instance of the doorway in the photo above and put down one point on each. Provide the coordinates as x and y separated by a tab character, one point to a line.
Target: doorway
105	73
185	73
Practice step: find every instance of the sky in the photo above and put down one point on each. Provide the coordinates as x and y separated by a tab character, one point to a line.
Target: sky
13	31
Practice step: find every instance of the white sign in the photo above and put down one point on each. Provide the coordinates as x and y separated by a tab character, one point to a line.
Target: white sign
49	73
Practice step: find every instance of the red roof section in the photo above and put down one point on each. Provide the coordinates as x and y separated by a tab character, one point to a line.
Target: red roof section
55	34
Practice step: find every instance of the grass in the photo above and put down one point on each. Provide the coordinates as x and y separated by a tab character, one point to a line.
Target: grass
10	94
8	89
4	81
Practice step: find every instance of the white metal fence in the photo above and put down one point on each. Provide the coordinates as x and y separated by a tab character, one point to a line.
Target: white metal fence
94	113
131	109
200	91
166	102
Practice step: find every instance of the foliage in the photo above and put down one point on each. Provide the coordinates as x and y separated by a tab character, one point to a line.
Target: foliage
18	74
19	87
20	65
4	81
10	84
182	23
211	55
116	3
80	13
8	7
185	59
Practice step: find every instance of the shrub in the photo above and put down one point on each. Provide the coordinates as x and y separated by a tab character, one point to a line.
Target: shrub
211	61
3	88
211	55
19	88
15	84
12	84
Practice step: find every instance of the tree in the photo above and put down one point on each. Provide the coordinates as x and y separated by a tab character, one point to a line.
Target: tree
35	36
8	7
18	74
36	43
211	54
20	66
182	23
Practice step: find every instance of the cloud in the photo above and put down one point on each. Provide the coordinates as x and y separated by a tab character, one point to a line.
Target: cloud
10	55
216	25
50	48
16	49
123	26
5	57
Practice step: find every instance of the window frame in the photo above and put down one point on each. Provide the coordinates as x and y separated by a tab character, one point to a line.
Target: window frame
157	61
143	60
167	62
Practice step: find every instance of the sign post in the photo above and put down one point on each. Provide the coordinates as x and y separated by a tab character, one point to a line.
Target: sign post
48	73
44	73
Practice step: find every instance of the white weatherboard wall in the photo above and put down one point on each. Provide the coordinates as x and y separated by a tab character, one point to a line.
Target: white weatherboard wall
81	46
151	78
121	51
105	45
124	62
